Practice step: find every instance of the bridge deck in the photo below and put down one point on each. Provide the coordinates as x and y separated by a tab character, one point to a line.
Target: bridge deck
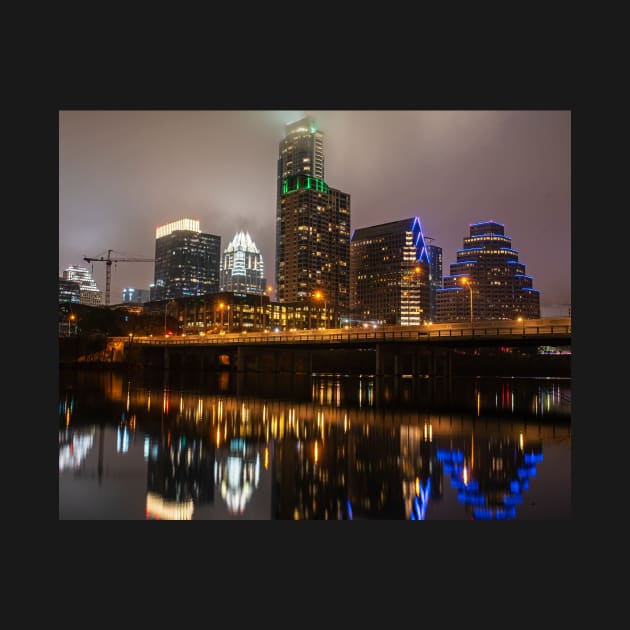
557	330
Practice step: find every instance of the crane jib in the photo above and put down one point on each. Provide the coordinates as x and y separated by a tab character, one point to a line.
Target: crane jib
108	271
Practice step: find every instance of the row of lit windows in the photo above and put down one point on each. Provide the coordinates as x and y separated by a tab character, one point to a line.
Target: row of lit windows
487	238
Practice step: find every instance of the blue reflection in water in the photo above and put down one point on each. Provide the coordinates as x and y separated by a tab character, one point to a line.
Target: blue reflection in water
490	503
420	502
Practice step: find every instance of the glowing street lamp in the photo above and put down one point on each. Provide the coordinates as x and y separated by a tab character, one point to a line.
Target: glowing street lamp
520	319
70	320
466	281
221	307
318	295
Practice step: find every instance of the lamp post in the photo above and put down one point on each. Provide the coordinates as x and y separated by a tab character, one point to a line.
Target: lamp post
520	319
318	295
70	319
221	307
262	313
466	281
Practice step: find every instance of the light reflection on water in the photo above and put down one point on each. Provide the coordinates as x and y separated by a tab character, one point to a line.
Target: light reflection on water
302	447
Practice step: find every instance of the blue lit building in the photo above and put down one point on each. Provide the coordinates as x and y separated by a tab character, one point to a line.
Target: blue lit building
487	282
390	272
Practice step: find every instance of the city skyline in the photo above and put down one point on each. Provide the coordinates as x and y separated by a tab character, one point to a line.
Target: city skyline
122	173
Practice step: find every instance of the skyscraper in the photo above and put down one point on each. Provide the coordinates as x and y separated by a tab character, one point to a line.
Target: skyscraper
435	276
312	225
242	268
390	271
89	292
487	282
187	261
301	151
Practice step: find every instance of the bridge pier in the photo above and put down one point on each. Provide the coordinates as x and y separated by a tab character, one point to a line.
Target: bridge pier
378	368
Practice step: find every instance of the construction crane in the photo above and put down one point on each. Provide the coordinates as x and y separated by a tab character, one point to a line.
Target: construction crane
108	261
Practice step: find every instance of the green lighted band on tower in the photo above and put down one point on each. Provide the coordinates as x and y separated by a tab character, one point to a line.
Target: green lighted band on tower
311	182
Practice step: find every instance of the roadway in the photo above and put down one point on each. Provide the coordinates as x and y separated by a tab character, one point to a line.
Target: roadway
541	331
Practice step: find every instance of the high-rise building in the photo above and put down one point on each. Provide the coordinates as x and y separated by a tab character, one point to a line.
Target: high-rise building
242	268
435	276
312	226
390	271
135	296
69	291
187	260
89	292
487	282
301	151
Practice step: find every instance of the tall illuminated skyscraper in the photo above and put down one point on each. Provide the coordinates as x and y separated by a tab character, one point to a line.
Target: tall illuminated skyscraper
312	225
242	269
301	151
187	261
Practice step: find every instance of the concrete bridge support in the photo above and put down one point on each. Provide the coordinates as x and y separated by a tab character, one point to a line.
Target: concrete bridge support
379	367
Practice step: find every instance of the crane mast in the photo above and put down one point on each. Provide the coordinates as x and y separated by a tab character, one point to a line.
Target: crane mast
108	269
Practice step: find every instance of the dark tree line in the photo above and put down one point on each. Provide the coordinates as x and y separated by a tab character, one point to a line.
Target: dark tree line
108	322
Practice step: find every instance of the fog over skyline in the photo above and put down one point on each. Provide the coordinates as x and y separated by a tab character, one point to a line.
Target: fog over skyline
123	173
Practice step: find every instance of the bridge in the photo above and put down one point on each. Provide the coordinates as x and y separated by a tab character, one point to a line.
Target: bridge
416	350
550	331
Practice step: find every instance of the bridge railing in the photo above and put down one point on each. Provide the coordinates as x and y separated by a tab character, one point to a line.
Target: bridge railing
336	335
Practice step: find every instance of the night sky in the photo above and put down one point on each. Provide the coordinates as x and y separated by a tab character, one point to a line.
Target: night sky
123	173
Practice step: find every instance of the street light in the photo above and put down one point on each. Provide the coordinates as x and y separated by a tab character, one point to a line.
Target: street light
520	319
466	281
221	307
71	319
318	295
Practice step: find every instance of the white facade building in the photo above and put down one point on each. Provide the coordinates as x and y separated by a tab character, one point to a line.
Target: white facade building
242	268
91	295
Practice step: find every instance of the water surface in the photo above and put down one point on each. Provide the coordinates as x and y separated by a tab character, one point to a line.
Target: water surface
299	446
